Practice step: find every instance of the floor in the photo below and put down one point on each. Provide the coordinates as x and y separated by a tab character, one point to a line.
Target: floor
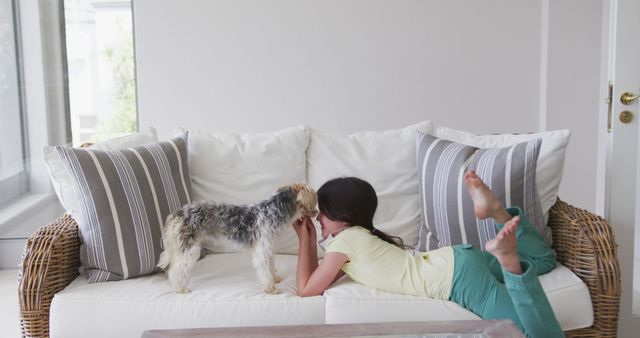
9	324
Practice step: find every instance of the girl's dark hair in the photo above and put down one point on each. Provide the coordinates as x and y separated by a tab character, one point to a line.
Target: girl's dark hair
353	200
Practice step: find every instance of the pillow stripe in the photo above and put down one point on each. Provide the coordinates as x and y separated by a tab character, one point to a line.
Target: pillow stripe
430	242
517	181
114	214
439	200
448	215
180	160
507	177
458	186
172	158
485	169
138	212
118	205
155	174
162	162
440	209
142	192
537	218
89	206
461	198
95	257
431	189
152	187
482	225
451	176
126	194
469	214
124	205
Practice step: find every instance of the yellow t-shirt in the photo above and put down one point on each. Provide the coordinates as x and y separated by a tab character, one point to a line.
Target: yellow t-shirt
376	263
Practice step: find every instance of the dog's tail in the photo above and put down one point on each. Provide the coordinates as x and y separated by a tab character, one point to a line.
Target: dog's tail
170	240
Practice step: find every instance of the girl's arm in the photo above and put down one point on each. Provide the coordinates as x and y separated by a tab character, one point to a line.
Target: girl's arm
323	276
312	279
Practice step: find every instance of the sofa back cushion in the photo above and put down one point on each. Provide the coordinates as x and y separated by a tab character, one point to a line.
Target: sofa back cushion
386	159
125	196
447	208
245	169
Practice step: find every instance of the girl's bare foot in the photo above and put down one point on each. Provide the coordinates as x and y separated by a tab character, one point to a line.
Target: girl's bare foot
485	202
505	247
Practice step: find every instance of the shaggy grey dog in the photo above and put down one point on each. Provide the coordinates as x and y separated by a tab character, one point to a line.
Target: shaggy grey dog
250	226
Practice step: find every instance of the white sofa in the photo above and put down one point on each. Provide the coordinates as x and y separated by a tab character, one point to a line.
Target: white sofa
225	294
56	301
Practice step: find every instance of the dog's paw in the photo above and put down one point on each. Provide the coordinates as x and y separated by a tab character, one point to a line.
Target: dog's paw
271	289
183	291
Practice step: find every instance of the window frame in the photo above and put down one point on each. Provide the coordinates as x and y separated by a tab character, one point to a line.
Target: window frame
45	118
16	184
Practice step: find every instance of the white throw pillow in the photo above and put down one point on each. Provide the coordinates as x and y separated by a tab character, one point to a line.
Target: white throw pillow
244	169
387	160
63	182
550	160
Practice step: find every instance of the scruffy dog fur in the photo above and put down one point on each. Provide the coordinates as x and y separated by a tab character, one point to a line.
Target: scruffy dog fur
251	226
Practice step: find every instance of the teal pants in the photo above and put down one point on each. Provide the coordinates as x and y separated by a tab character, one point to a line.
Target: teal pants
481	286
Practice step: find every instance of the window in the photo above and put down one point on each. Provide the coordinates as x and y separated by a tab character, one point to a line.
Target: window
13	166
102	90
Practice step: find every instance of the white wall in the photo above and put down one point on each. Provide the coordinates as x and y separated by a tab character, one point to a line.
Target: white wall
489	66
247	65
574	97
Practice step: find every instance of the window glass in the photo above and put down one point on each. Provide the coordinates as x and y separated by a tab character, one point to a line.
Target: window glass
102	92
13	179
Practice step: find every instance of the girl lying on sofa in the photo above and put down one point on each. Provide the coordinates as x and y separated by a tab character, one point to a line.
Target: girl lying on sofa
501	283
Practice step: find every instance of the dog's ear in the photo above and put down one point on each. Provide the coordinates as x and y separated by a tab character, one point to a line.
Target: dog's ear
306	198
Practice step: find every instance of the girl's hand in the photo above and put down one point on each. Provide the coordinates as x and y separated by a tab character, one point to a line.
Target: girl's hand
311	228
300	226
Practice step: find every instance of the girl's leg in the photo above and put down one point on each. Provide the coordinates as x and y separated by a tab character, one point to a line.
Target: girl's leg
532	248
521	299
476	288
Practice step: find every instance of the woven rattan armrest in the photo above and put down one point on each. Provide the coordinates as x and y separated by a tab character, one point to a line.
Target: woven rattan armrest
585	244
49	263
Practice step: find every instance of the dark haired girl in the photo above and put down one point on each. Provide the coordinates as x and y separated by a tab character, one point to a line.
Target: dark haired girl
460	273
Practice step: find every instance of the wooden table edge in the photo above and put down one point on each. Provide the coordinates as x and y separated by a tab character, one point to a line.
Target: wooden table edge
491	328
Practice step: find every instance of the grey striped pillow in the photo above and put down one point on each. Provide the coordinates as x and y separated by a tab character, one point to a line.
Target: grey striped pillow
126	195
447	208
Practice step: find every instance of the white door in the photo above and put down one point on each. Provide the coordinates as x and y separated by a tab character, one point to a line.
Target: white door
623	160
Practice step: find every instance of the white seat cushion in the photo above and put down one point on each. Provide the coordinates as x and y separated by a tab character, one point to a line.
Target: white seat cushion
350	302
224	293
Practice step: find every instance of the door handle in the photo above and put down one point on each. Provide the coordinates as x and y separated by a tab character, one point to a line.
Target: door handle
628	98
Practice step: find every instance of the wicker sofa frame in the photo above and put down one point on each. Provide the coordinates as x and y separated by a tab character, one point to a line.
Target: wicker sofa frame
583	242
